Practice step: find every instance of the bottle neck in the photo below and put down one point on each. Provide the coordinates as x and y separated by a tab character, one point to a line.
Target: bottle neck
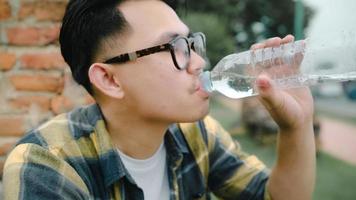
205	80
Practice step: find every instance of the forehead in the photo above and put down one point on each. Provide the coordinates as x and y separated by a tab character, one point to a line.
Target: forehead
152	20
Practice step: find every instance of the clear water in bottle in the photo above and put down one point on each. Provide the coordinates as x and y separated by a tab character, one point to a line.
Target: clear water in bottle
289	65
234	85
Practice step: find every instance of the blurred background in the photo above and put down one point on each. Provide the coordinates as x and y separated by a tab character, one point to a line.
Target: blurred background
35	83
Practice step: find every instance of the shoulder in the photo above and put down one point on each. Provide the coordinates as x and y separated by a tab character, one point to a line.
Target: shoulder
60	132
56	127
30	168
43	153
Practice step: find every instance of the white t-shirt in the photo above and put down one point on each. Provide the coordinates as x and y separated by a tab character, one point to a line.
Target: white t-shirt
149	174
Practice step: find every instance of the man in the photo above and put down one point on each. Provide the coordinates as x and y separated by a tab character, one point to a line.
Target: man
148	136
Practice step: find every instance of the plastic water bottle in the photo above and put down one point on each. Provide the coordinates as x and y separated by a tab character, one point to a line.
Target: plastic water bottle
290	65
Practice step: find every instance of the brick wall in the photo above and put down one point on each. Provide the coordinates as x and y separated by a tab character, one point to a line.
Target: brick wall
35	82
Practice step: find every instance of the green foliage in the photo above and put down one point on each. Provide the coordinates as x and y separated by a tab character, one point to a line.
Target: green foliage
260	19
247	21
226	8
219	41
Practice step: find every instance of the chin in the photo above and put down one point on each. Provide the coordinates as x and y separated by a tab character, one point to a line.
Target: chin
186	113
196	115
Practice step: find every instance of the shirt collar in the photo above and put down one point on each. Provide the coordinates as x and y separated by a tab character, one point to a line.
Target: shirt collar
111	164
178	138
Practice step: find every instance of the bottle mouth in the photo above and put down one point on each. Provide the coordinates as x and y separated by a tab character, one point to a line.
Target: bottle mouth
206	81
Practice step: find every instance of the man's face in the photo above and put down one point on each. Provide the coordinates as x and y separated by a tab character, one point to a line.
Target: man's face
153	87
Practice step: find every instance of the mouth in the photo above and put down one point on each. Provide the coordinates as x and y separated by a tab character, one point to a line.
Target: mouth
200	91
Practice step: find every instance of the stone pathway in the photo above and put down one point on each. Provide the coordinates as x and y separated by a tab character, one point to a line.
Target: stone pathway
338	138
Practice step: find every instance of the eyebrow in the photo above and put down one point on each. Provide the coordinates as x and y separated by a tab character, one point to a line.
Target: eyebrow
168	36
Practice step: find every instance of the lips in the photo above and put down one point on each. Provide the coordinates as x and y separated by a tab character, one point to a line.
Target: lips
197	87
201	92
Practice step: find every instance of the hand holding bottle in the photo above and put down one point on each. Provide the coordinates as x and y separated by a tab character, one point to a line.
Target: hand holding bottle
290	109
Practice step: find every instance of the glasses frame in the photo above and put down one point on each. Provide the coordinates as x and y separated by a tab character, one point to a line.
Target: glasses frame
126	57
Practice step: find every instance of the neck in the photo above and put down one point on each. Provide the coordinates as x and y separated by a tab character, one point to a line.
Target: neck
135	136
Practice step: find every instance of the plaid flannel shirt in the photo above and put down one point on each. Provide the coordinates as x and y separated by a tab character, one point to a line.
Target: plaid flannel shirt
72	157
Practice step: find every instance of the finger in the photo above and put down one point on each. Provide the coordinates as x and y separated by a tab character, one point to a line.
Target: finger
257	46
269	96
273	42
288	38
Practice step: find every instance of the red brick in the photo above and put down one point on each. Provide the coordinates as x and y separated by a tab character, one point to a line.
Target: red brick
37	83
32	35
43	61
12	126
61	104
7	61
24	102
5	10
43	10
6	147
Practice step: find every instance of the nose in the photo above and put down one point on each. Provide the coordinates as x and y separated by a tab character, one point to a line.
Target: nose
196	64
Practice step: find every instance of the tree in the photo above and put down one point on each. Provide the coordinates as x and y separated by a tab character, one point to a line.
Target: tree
219	41
246	21
260	19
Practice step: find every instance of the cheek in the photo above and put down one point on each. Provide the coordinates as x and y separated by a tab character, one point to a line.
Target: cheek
161	93
155	84
164	76
148	87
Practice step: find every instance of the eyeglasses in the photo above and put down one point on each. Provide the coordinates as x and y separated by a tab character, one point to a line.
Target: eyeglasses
178	47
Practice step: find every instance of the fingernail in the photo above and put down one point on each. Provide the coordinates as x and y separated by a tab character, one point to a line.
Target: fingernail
263	84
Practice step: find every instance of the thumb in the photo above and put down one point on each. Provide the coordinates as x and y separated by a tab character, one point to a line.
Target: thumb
269	96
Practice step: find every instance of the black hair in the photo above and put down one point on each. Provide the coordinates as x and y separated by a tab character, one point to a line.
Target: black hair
86	23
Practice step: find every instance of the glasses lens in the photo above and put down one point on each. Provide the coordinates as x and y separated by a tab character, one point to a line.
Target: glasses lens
181	52
199	45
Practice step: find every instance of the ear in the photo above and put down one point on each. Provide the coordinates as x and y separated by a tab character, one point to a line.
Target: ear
103	78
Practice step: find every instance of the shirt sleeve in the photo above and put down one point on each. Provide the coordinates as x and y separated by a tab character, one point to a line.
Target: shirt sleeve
233	174
32	172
